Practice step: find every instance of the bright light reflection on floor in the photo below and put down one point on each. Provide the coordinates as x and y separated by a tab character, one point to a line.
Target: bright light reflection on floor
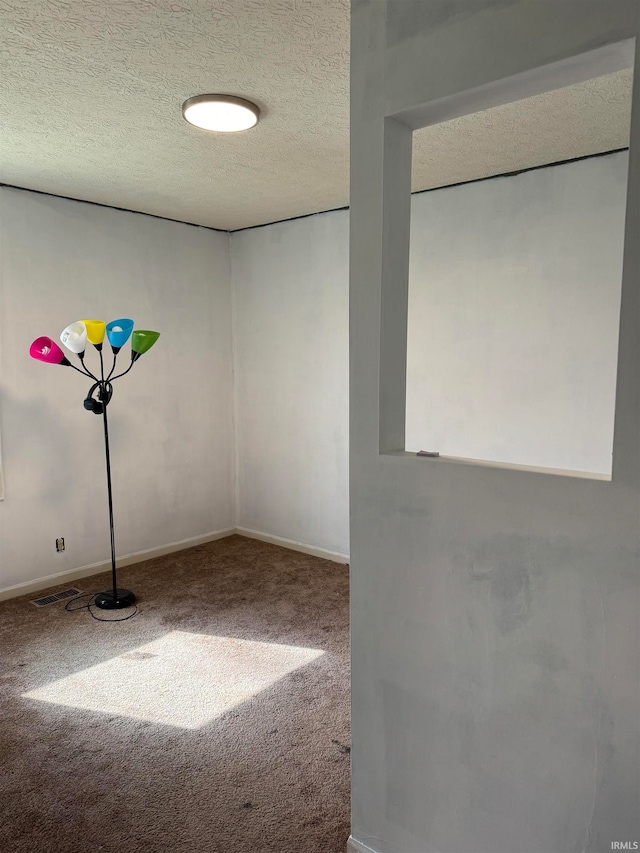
182	679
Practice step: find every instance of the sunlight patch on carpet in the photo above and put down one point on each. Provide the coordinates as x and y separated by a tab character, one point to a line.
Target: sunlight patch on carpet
182	679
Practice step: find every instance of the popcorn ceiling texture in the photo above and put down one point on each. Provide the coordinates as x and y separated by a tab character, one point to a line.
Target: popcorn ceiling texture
588	118
91	95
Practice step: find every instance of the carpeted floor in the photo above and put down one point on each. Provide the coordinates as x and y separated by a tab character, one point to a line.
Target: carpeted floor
214	721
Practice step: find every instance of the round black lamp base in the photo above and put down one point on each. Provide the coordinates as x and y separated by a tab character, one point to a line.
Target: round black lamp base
106	601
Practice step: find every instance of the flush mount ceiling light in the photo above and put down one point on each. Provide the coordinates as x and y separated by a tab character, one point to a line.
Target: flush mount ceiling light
222	113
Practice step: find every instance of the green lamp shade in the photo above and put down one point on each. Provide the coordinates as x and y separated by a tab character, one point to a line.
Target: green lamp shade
142	340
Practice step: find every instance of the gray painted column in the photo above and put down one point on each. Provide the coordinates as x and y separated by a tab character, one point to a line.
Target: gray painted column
495	617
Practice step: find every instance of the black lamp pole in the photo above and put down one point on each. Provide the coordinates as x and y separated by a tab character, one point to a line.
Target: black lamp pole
116	598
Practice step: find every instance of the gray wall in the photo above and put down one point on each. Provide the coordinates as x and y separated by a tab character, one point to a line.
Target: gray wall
171	418
494	612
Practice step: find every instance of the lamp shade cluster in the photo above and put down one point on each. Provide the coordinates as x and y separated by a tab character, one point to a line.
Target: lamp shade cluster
77	335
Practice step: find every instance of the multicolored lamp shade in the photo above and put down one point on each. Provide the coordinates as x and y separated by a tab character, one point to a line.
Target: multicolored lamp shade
118	332
141	341
44	349
74	337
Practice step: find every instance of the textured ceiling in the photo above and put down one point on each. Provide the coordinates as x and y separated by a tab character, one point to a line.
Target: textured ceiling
576	121
91	91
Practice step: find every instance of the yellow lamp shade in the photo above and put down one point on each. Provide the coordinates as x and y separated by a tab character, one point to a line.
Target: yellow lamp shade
95	331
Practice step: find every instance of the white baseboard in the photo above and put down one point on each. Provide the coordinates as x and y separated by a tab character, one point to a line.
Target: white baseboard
140	556
97	568
354	846
293	545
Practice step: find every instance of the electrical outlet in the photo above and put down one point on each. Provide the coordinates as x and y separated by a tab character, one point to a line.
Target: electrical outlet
60	544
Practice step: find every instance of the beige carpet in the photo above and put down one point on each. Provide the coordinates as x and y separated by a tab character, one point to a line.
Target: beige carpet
217	719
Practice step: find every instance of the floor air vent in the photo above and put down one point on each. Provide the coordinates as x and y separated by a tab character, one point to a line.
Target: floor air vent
56	596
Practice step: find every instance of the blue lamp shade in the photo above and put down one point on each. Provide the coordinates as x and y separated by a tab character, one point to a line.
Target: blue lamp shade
118	332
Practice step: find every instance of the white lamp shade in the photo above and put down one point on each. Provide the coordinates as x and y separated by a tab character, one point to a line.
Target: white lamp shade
74	337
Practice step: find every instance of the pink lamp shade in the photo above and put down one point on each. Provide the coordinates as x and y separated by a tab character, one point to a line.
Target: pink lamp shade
44	349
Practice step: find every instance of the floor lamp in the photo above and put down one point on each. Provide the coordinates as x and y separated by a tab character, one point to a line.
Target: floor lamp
75	338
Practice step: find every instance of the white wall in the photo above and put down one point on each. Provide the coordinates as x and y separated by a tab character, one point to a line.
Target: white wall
171	418
514	305
523	271
290	282
291	372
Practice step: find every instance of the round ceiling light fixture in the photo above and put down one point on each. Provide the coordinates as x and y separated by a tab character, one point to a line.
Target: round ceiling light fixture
221	113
